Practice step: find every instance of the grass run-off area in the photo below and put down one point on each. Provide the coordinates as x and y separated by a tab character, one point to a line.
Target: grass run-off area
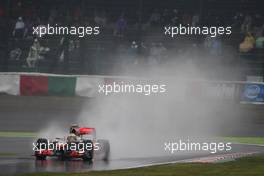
17	134
248	166
245	140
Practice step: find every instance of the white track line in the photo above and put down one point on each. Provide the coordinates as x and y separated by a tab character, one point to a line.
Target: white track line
188	160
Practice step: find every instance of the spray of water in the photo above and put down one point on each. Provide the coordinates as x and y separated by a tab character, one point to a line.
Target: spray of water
138	125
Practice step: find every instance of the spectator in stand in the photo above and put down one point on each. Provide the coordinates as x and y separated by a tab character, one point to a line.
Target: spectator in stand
52	15
33	54
175	20
165	17
143	52
100	19
19	29
17	9
121	26
77	13
155	18
246	26
207	42
186	19
161	53
133	52
153	54
195	20
15	54
28	32
248	43
216	48
213	45
238	19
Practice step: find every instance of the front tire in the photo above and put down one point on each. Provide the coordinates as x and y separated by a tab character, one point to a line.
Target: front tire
40	143
42	157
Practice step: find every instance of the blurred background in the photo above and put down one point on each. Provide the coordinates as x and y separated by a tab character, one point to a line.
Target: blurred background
131	33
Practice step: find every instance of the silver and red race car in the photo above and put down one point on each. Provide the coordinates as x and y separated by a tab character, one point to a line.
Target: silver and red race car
80	143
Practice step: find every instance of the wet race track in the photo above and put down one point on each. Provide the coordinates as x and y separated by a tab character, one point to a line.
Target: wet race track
25	163
32	113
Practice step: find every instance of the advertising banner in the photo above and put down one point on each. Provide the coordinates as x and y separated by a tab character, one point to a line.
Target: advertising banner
253	94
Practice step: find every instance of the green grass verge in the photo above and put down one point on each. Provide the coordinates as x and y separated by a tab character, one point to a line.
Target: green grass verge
7	154
11	134
241	167
245	140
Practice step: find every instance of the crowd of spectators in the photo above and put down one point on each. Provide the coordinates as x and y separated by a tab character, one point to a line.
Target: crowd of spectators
126	31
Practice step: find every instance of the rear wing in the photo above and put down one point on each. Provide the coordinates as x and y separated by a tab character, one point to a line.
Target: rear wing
84	131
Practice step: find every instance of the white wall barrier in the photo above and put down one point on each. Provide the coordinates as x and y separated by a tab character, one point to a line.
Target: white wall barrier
88	86
9	84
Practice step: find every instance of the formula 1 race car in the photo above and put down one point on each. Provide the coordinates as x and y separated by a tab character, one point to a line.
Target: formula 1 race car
80	143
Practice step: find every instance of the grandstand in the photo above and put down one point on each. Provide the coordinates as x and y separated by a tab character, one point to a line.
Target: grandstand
112	50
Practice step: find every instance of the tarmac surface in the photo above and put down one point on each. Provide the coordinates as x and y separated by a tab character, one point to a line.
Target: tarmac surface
33	113
23	162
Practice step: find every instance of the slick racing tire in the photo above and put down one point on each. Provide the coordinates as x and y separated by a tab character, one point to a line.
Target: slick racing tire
42	144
